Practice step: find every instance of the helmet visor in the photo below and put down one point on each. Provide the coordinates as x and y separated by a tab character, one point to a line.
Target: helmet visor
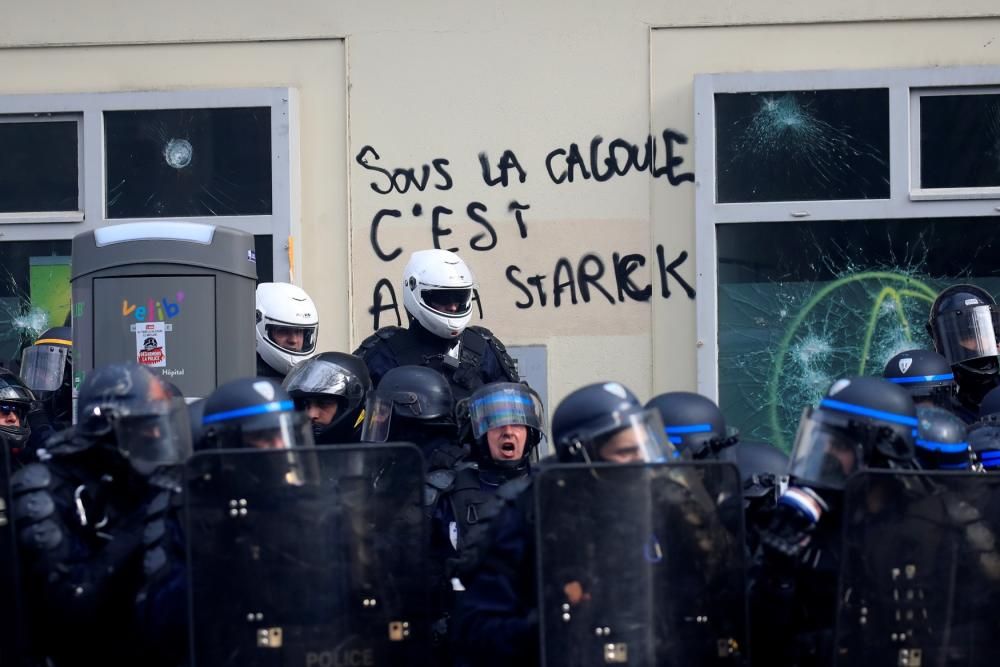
42	366
824	453
449	302
317	378
966	334
634	438
378	417
292	338
17	409
507	404
158	435
282	430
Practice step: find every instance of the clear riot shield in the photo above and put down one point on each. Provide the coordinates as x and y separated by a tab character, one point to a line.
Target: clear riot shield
308	557
920	570
641	565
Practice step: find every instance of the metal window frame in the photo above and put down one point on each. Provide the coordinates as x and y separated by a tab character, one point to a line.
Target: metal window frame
68	215
89	108
905	201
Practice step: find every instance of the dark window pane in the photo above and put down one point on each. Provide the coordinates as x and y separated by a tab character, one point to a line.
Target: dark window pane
34	292
39	167
803	304
264	248
188	162
960	141
802	146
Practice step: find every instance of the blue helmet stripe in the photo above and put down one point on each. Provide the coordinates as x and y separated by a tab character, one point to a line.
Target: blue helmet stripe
693	428
675	439
868	412
947	447
922	378
989	455
264	408
954	466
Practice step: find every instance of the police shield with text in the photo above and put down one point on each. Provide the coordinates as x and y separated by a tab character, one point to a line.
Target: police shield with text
296	560
920	578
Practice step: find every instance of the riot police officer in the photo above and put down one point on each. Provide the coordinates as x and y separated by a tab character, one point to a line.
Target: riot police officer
46	368
962	326
861	423
16	404
926	375
81	514
694	424
496	619
331	388
255	413
438	290
415	404
287	328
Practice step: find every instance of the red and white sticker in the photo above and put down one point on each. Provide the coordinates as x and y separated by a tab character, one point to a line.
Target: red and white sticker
151	344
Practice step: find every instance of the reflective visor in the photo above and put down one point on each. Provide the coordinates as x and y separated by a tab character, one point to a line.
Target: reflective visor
378	416
966	334
157	436
42	366
636	438
286	430
450	302
19	410
294	339
317	378
505	405
824	454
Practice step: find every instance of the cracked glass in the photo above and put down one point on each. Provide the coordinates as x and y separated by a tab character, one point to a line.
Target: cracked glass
188	162
803	304
802	145
34	292
960	141
39	166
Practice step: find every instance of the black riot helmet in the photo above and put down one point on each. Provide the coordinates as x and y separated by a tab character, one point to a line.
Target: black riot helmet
253	413
46	368
410	403
942	440
984	434
332	378
863	422
963	323
606	422
16	401
126	406
495	406
693	424
926	375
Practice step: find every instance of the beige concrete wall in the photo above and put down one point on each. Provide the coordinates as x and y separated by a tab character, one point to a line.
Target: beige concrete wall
450	80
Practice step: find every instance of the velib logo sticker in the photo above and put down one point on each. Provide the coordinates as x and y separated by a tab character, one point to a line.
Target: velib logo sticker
154	311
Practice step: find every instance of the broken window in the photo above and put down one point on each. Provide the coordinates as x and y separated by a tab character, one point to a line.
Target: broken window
960	141
803	304
39	165
34	292
188	162
802	145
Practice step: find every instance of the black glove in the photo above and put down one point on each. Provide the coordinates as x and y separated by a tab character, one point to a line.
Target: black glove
793	523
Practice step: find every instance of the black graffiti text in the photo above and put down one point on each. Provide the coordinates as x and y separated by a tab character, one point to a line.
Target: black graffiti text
603	161
591	279
401	179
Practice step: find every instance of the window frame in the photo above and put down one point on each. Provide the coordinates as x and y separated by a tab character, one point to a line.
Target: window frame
89	108
905	201
76	215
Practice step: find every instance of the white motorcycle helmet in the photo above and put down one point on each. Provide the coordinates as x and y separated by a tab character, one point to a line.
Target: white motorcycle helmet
287	325
437	291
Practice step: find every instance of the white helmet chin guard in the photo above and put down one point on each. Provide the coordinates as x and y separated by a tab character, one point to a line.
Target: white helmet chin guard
287	325
437	291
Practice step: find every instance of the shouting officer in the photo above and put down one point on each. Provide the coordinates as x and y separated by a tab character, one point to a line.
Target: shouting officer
438	291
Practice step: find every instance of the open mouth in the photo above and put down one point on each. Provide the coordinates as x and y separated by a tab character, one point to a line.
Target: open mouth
508	449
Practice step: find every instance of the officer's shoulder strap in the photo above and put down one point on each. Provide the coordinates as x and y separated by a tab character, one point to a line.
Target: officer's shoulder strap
484	337
383	334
